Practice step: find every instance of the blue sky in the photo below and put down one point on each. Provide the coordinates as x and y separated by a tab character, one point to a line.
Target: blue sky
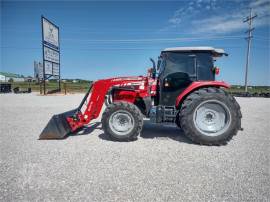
116	38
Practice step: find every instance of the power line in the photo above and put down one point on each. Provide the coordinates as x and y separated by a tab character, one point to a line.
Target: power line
149	40
155	39
249	20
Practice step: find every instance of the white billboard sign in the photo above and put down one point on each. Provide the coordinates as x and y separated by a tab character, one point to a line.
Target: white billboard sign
51	51
48	67
51	55
50	33
38	70
55	69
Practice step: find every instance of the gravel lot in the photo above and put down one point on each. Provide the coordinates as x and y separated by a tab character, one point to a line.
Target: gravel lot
162	165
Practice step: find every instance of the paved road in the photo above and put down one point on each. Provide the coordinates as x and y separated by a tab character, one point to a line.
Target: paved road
161	166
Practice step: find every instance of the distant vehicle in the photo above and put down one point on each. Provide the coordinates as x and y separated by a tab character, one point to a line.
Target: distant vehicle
5	88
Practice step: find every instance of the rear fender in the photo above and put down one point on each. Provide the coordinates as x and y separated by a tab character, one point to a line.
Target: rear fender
196	85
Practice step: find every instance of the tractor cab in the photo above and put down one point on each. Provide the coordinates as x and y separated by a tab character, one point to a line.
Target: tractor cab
180	66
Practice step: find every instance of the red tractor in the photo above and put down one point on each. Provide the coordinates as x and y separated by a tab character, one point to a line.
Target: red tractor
184	92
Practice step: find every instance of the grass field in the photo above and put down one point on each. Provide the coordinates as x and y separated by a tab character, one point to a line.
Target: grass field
83	86
69	86
251	89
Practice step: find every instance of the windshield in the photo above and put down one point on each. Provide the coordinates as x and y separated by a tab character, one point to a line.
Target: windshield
180	62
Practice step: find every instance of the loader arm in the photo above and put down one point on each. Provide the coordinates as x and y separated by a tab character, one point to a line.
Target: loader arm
94	99
60	125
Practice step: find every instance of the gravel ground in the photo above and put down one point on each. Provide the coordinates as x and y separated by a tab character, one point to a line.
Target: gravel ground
162	165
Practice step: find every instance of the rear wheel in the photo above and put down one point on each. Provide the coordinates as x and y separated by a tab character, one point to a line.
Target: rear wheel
122	121
210	116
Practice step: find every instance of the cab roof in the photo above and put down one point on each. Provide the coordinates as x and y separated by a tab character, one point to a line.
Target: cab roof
215	51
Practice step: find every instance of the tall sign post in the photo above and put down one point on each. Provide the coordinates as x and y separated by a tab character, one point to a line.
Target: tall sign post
50	52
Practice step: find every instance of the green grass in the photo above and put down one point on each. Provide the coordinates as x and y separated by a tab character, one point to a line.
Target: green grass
83	87
70	87
251	89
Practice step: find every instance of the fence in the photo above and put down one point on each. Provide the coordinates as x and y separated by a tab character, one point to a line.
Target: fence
82	87
66	87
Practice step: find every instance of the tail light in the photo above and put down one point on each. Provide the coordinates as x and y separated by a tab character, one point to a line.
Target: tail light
216	70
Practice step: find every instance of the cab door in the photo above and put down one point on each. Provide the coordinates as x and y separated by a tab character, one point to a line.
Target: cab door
177	71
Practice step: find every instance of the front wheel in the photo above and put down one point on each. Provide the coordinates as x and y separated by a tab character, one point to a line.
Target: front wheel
210	116
122	121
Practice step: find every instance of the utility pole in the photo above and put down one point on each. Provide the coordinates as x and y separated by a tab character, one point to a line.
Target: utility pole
249	20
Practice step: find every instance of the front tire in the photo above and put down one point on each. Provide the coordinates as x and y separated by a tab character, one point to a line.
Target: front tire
210	116
122	121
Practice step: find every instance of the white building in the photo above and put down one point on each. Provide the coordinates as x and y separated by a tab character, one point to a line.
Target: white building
2	78
6	77
38	70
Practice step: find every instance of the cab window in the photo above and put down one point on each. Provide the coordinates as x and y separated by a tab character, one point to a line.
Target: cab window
180	62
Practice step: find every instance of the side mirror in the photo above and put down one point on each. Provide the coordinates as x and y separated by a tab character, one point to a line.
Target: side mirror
158	64
153	69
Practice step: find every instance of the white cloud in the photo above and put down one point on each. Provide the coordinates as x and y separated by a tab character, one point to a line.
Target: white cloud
233	21
191	9
175	20
177	17
258	3
228	20
219	25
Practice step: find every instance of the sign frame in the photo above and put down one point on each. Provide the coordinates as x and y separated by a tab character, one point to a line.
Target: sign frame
54	27
51	58
54	48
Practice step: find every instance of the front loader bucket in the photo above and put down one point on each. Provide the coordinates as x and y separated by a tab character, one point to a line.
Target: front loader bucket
57	127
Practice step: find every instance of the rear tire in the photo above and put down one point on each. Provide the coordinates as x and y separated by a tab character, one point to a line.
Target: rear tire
122	121
210	116
177	120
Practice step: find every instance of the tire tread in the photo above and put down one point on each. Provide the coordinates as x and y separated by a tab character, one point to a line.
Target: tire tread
124	105
196	95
